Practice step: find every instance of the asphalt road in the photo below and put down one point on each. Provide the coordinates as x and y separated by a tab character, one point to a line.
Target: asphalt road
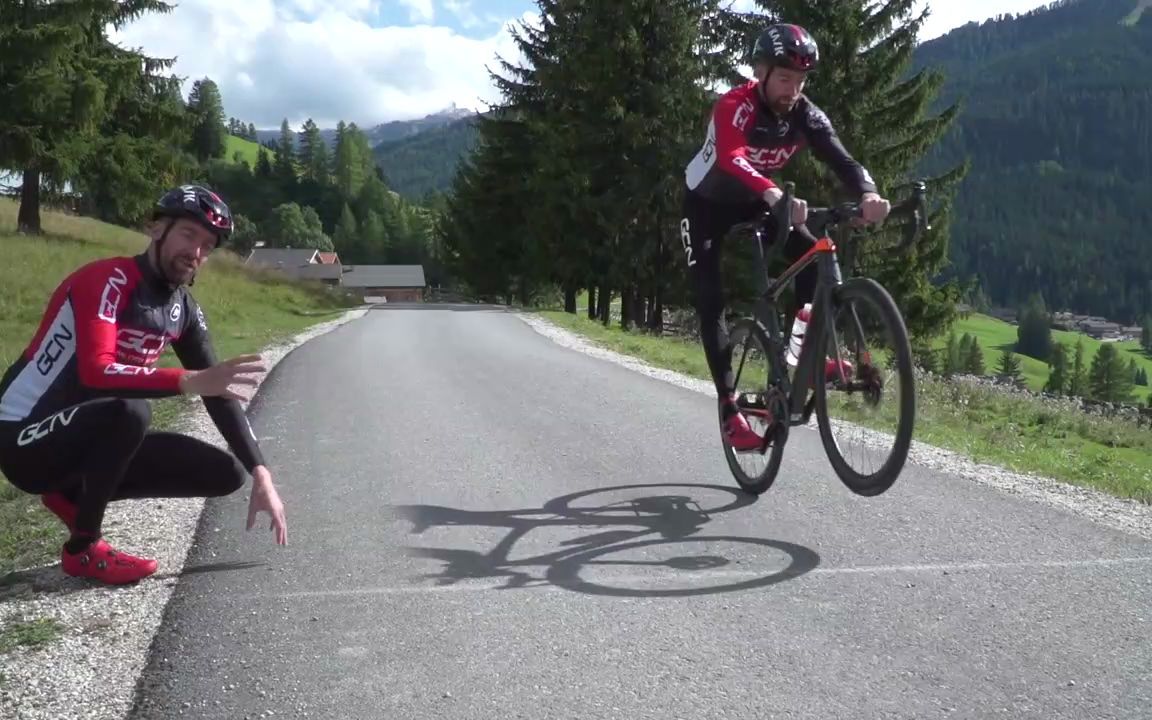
484	524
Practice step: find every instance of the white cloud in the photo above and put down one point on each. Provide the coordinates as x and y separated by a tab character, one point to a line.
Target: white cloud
320	59
420	11
463	11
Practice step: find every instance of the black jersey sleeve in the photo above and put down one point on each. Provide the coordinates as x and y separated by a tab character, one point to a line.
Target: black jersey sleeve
194	348
828	149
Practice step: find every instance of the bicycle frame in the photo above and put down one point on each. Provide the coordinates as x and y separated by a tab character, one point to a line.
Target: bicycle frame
767	305
809	367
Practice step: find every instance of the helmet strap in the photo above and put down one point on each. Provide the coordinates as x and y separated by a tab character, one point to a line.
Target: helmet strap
158	245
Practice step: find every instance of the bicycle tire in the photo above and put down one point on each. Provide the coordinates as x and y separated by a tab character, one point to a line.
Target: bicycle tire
882	480
757	485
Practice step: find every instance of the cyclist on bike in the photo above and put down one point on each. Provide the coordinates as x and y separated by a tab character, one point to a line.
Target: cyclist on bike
754	130
74	410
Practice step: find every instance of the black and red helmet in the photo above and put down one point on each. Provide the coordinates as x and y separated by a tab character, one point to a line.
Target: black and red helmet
196	203
787	46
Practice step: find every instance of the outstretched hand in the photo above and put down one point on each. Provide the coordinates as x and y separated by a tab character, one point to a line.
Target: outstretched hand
219	379
266	499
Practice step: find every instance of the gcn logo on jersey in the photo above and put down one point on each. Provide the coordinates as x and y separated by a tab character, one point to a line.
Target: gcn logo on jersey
110	299
771	158
137	346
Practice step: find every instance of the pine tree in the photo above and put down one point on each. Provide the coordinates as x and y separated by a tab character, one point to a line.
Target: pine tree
1058	376
352	163
1078	383
974	362
206	111
263	163
284	164
139	146
345	236
1034	331
52	56
1009	366
952	355
879	113
1109	378
489	248
313	153
605	162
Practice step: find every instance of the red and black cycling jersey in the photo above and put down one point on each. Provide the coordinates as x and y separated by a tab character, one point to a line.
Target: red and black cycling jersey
102	332
747	143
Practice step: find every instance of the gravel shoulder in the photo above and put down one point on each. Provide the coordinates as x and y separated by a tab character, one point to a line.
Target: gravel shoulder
92	670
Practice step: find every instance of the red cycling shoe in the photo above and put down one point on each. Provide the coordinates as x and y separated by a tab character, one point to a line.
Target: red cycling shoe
740	436
100	561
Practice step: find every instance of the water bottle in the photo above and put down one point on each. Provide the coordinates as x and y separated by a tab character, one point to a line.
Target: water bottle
799	325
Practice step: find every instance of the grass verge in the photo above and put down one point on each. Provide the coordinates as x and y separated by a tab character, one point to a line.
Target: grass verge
245	310
31	633
1021	433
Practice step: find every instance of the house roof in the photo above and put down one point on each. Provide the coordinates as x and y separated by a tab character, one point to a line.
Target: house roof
384	276
318	271
283	257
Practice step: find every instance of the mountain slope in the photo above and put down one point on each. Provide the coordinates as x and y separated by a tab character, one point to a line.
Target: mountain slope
389	131
426	162
1057	124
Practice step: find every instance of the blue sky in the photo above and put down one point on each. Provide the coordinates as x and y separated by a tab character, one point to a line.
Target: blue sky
472	18
371	61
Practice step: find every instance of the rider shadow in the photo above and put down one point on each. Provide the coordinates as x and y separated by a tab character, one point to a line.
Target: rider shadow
649	522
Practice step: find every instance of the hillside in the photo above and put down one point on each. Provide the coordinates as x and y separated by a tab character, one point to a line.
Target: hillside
248	150
425	162
1057	124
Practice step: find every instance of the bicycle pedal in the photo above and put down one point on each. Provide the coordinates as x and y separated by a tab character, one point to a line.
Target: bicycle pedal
751	401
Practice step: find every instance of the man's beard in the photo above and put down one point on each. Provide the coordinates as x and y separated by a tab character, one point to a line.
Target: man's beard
178	272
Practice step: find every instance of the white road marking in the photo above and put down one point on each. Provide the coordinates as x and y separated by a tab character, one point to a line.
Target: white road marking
701	579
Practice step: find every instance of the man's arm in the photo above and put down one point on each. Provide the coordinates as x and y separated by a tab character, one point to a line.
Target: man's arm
828	149
731	118
95	297
194	348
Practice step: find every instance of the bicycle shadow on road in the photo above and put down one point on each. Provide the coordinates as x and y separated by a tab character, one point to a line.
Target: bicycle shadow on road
636	524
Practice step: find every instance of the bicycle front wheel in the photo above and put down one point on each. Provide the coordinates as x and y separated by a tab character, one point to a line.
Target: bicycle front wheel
869	360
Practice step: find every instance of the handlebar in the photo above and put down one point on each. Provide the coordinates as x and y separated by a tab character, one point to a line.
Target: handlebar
820	218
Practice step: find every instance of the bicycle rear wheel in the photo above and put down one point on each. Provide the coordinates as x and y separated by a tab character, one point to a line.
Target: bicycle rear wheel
848	336
764	406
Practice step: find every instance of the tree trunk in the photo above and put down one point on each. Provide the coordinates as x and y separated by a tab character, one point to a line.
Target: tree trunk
641	316
657	317
627	306
591	301
28	217
604	305
570	299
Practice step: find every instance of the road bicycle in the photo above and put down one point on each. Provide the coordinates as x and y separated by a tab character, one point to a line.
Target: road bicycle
783	402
